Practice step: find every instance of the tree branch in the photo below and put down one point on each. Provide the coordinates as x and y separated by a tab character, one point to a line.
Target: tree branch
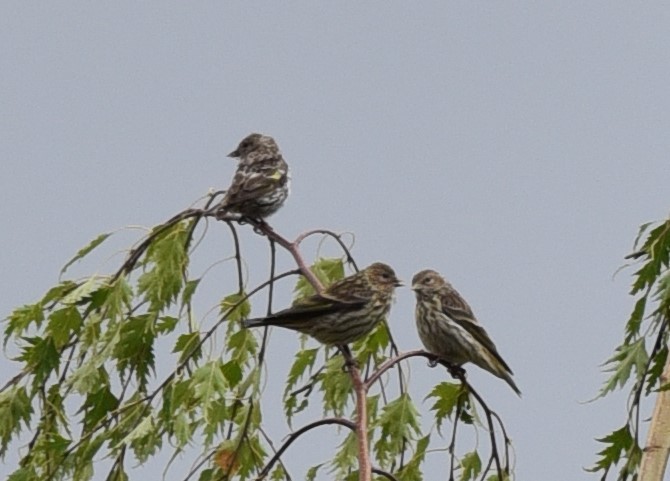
295	435
460	375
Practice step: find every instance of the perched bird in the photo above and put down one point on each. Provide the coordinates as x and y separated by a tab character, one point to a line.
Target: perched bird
261	183
449	330
346	311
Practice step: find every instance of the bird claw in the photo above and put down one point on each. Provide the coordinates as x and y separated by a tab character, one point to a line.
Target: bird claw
349	364
456	371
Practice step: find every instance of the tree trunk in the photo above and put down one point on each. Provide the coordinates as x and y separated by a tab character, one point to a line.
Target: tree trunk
655	454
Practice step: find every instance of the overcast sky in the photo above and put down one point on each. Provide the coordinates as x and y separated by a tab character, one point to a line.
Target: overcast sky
513	146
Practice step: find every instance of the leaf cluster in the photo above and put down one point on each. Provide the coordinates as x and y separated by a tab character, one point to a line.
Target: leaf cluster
641	357
95	381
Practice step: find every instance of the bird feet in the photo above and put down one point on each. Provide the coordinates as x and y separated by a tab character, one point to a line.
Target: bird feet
456	371
349	359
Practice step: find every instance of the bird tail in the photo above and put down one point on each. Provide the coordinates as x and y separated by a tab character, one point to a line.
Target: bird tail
508	379
257	322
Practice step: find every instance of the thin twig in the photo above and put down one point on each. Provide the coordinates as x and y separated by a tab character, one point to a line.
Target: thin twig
386	474
452	444
459	374
295	435
274	450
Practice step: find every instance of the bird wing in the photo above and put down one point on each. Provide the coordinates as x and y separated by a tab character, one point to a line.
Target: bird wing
311	307
454	306
247	186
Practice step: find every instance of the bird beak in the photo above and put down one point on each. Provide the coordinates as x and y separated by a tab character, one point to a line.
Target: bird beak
234	154
398	283
415	287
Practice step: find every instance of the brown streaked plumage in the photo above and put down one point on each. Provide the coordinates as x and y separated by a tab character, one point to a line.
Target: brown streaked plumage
345	312
449	329
261	183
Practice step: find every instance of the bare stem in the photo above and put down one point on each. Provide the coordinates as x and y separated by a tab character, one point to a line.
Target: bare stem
360	389
295	435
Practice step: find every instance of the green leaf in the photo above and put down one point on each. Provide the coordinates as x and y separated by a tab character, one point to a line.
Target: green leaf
15	410
135	350
232	372
235	307
412	470
97	405
209	474
336	386
374	343
346	457
63	323
144	439
21	318
242	346
83	290
399	422
635	320
83	252
41	357
278	473
303	361
83	468
327	270
119	298
471	465
618	442
208	385
189	290
626	357
86	377
57	292
447	397
166	324
26	473
657	248
250	456
656	370
183	429
189	346
215	420
168	258
312	472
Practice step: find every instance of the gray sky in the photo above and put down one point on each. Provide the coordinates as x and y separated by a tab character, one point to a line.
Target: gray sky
513	146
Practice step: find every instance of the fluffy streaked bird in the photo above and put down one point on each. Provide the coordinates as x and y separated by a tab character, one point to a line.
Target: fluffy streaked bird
346	311
449	330
261	183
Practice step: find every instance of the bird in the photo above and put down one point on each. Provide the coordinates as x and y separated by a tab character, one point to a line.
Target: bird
261	182
344	312
449	329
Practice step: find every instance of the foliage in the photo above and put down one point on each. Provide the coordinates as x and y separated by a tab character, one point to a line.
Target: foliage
640	359
96	381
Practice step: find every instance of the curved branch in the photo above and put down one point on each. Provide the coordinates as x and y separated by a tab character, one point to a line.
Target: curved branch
338	239
295	435
137	252
385	366
386	474
460	375
292	248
